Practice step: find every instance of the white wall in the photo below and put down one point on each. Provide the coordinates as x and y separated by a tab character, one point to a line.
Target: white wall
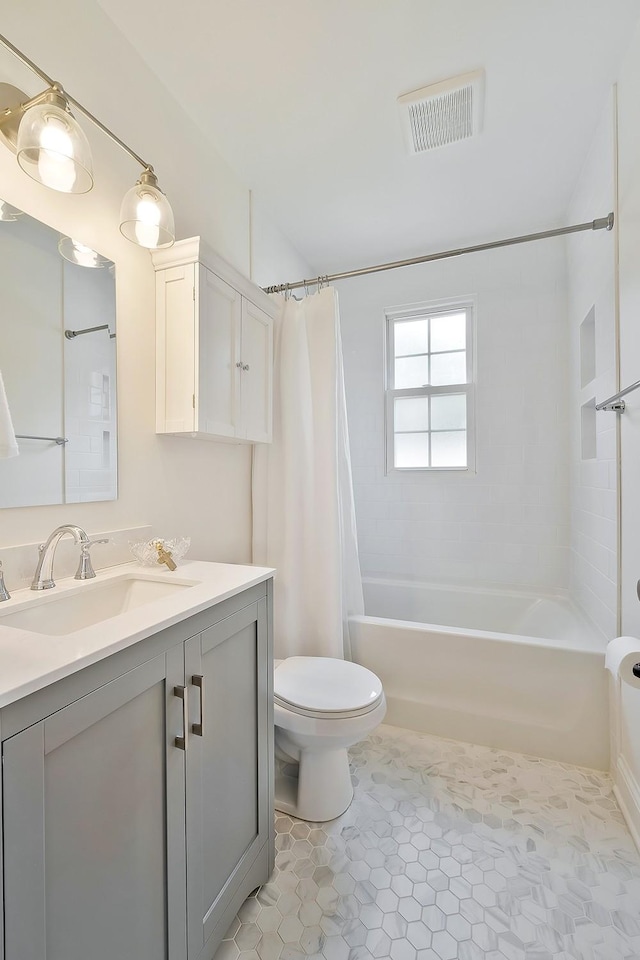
180	486
31	360
273	259
591	282
507	523
629	280
626	701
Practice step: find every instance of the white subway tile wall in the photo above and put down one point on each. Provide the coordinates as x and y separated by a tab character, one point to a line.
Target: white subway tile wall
90	418
591	298
508	522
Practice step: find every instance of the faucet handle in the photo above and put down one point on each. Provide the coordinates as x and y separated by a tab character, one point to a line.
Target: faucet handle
85	569
4	593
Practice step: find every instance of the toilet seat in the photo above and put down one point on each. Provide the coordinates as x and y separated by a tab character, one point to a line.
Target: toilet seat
319	715
322	706
326	688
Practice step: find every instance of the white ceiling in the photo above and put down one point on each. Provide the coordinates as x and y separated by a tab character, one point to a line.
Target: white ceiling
300	97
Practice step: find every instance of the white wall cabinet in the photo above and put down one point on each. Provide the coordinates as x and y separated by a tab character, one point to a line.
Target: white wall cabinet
118	841
214	348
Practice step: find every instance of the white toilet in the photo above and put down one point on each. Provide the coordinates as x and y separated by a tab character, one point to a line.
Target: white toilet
322	706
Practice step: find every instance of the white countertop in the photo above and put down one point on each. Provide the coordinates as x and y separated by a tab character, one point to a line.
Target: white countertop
30	661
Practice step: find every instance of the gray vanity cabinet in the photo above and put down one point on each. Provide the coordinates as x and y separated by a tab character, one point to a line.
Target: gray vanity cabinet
228	771
118	843
93	817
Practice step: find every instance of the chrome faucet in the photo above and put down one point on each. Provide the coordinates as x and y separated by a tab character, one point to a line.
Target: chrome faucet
4	593
85	569
43	577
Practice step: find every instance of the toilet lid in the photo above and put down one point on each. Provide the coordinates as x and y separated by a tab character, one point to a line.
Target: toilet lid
325	685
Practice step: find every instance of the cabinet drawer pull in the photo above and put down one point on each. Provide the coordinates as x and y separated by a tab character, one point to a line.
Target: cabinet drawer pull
239	364
181	692
198	728
245	366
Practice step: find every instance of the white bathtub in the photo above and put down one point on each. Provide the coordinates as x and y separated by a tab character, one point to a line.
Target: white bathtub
508	669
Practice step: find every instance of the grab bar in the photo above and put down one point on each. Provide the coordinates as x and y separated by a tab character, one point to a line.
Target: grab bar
59	440
615	402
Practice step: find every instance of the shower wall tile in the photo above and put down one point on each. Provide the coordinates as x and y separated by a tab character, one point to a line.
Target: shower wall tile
507	523
591	291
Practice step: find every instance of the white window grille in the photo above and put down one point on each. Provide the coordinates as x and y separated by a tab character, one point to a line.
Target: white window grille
429	395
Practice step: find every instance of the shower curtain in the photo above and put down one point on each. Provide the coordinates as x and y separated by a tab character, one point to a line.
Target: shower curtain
303	509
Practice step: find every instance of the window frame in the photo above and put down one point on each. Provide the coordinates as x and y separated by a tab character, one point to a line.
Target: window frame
418	311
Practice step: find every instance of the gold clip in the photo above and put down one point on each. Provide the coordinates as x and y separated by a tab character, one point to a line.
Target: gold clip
164	556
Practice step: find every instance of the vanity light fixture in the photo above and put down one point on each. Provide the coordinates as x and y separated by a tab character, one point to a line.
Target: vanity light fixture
50	145
53	149
81	255
8	213
146	216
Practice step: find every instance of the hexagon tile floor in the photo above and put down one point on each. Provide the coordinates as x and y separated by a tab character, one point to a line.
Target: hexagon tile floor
451	851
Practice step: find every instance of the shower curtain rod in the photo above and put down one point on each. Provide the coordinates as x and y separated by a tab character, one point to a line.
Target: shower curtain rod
601	224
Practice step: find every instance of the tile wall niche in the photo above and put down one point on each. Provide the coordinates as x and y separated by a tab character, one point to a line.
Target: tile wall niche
507	523
592	323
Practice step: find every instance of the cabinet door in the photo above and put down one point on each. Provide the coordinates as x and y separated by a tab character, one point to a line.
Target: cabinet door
228	802
218	353
257	366
94	825
175	346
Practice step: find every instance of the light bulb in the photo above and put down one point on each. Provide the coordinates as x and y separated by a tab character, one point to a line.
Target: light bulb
56	166
52	148
146	217
147	222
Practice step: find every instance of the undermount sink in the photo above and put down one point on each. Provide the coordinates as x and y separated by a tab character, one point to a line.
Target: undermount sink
90	604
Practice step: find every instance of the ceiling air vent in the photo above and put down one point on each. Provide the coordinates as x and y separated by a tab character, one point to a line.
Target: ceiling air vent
442	113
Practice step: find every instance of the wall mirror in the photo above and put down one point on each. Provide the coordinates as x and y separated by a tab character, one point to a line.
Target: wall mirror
58	365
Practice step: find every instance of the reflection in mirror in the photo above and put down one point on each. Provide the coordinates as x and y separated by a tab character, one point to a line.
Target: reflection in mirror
58	365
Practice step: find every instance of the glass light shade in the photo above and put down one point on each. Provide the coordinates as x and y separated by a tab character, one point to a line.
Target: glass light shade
146	217
53	149
8	213
78	253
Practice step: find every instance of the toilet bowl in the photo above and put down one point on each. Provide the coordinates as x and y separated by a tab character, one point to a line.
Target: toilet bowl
322	706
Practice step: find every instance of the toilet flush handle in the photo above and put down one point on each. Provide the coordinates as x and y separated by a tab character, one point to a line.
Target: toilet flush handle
198	728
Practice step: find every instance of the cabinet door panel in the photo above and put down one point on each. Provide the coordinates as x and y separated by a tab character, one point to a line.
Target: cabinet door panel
218	353
91	848
23	836
227	768
256	383
175	338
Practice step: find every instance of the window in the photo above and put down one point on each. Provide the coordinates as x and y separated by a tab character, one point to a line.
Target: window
430	387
